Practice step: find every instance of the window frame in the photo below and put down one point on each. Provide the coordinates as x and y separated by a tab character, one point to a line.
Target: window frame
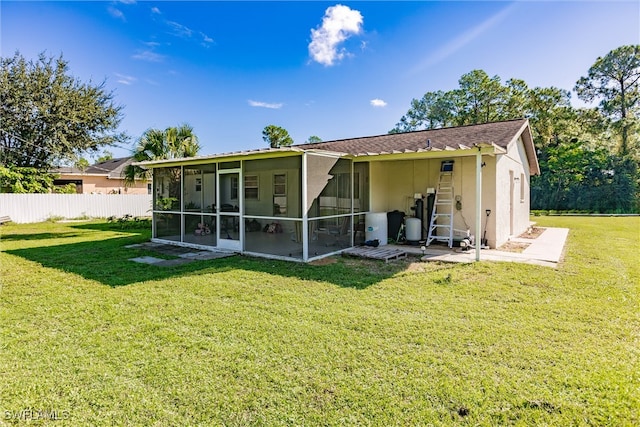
280	195
255	186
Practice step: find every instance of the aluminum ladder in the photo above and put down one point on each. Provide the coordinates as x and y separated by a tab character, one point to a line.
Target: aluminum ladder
441	228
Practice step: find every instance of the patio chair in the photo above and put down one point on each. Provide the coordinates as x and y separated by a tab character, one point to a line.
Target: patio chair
337	232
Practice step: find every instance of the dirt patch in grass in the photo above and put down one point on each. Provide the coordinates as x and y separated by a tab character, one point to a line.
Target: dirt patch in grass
419	267
532	233
514	247
324	261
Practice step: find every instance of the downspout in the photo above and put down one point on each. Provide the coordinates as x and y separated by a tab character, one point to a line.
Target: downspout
478	241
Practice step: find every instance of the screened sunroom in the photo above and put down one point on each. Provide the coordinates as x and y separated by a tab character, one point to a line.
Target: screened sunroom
285	203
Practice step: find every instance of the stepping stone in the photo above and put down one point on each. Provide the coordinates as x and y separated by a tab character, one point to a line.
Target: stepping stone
205	255
147	260
173	262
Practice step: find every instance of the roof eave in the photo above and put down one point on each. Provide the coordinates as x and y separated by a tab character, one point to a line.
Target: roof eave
228	157
529	147
488	148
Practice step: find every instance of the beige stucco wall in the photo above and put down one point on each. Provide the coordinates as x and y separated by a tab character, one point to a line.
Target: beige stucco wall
92	184
394	183
513	190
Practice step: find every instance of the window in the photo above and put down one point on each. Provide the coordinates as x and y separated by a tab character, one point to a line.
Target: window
148	188
522	188
280	194
251	189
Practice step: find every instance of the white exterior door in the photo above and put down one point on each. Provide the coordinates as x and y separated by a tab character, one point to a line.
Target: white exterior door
229	207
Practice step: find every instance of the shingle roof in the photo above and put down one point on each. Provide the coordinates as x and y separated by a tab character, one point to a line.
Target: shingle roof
500	134
112	168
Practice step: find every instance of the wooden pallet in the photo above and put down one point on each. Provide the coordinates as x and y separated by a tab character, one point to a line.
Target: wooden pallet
380	253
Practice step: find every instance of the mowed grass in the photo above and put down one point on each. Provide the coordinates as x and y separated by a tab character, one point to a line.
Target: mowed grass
95	339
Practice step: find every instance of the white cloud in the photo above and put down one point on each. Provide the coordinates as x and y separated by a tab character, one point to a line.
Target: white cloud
124	79
273	106
156	11
338	24
206	40
185	32
378	103
116	13
148	55
180	30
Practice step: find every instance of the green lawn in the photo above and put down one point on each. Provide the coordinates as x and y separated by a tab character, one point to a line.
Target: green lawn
94	339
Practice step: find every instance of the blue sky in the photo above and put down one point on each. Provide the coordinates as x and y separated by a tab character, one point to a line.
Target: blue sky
331	69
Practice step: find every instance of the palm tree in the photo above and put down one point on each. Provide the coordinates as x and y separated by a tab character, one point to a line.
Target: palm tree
155	144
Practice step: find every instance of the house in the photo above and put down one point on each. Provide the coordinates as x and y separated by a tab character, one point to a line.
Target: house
102	178
311	200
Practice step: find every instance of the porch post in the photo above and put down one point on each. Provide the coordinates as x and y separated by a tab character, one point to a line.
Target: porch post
305	219
478	237
182	203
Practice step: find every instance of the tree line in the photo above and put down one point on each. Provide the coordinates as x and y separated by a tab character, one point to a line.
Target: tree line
589	157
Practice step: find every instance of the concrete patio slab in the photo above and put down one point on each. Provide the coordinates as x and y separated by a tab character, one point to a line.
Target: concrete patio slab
147	260
545	250
487	255
173	262
205	255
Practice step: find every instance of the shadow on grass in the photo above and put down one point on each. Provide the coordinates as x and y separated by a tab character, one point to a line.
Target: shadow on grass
37	236
129	226
106	260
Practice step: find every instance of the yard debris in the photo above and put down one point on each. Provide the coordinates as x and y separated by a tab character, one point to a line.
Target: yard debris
532	232
380	253
517	247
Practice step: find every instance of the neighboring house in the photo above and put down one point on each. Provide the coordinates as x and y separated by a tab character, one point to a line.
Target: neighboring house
307	201
102	178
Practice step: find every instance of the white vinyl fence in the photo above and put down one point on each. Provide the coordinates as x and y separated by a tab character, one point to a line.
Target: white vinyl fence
24	208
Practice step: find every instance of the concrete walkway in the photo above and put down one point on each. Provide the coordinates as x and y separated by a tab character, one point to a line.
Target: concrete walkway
546	247
545	250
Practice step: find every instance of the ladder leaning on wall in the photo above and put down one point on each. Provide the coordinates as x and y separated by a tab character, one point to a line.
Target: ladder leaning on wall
441	228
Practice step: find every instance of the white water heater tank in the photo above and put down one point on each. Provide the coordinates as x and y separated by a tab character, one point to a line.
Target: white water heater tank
376	227
413	229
